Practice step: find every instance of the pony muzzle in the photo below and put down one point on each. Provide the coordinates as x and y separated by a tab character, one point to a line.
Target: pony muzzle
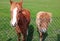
43	30
13	24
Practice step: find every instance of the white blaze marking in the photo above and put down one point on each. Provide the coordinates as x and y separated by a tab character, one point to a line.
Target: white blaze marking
14	20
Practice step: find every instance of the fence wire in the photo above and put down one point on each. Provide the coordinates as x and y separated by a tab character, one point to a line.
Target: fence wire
8	33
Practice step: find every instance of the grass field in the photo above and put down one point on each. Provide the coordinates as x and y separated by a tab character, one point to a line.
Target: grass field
7	33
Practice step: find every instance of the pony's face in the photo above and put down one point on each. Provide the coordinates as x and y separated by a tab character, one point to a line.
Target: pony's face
44	24
15	10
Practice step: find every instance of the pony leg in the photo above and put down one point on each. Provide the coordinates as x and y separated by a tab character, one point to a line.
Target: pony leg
18	33
19	36
41	36
24	36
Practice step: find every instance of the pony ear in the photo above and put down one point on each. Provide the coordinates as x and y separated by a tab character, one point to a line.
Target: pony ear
21	2
11	1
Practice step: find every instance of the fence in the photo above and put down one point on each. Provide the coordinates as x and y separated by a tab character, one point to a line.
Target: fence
7	33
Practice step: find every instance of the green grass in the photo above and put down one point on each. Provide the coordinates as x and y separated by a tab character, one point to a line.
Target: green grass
7	33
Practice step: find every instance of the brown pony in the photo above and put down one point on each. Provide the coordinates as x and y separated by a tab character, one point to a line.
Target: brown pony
20	19
42	20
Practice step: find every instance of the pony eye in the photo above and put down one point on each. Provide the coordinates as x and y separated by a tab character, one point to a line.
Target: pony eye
19	11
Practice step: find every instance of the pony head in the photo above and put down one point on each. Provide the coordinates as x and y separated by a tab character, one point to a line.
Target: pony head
16	8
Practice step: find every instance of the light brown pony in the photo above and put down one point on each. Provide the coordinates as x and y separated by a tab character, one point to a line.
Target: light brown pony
20	19
42	20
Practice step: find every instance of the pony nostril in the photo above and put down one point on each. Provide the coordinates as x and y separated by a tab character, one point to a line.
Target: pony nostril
14	25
